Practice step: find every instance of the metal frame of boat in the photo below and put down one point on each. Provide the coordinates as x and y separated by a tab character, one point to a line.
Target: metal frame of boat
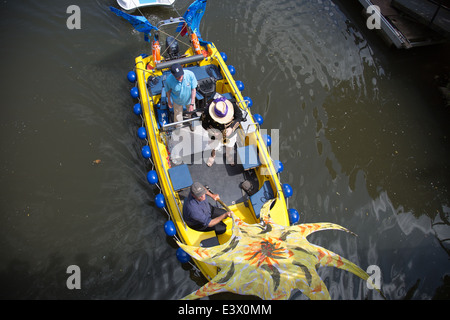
176	174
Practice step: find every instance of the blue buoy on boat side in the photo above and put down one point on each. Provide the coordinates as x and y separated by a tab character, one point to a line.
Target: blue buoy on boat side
134	92
224	56
293	216
267	140
259	119
232	70
169	228
278	166
287	189
142	133
182	256
137	109
240	85
131	76
249	101
146	153
152	177
160	201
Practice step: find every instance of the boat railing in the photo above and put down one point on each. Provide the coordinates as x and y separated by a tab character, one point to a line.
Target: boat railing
153	127
173	124
170	21
185	60
252	124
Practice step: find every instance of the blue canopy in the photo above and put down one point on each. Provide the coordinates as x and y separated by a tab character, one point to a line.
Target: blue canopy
140	23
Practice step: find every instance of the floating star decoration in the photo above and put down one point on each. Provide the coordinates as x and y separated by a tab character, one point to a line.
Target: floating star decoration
269	261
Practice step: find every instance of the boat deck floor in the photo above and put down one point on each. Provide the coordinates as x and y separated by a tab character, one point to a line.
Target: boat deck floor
221	178
191	147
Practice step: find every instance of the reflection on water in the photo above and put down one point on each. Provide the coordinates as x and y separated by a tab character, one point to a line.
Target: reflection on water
363	139
355	138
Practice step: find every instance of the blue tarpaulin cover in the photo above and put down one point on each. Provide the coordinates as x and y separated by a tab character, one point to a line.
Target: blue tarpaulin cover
193	15
140	23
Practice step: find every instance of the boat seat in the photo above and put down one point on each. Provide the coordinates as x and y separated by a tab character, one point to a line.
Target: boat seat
228	96
248	157
264	194
210	242
206	89
163	117
205	72
181	177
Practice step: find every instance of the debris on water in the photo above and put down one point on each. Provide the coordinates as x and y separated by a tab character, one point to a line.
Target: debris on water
97	161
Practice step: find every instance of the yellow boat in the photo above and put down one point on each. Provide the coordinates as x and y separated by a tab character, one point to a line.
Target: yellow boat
178	153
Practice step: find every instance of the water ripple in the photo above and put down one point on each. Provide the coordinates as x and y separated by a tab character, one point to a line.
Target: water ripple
306	40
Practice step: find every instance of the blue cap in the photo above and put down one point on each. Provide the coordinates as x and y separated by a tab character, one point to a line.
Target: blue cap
177	70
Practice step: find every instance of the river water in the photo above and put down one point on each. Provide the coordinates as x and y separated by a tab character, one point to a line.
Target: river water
363	136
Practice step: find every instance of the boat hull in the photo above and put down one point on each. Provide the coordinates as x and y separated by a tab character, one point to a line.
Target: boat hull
133	4
161	140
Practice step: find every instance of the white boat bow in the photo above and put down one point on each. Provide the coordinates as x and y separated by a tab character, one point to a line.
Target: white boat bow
133	4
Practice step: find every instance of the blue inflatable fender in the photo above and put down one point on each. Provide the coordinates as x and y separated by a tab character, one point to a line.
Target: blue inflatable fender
224	56
131	76
232	70
137	109
259	119
160	201
152	177
278	166
293	216
240	85
134	92
142	133
146	153
287	189
267	140
182	256
249	101
169	228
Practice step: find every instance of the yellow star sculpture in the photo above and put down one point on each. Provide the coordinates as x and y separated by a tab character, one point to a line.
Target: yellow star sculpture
269	260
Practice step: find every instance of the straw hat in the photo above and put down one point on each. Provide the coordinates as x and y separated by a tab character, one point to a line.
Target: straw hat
221	110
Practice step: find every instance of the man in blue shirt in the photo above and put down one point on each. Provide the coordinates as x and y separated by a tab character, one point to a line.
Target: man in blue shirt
200	215
181	89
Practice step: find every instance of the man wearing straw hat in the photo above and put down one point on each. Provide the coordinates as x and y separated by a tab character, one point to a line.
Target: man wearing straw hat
221	120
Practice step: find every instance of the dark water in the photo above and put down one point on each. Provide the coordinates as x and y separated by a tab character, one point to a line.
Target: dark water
364	139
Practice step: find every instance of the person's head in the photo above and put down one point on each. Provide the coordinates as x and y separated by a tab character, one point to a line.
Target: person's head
221	110
198	191
177	71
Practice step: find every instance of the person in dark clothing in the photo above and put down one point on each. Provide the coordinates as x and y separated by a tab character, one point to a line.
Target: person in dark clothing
221	121
200	215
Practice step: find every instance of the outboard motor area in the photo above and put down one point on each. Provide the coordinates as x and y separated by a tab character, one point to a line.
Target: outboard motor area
172	48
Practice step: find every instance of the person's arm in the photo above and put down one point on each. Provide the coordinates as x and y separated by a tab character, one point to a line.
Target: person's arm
169	101
194	84
214	196
193	94
216	220
236	120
